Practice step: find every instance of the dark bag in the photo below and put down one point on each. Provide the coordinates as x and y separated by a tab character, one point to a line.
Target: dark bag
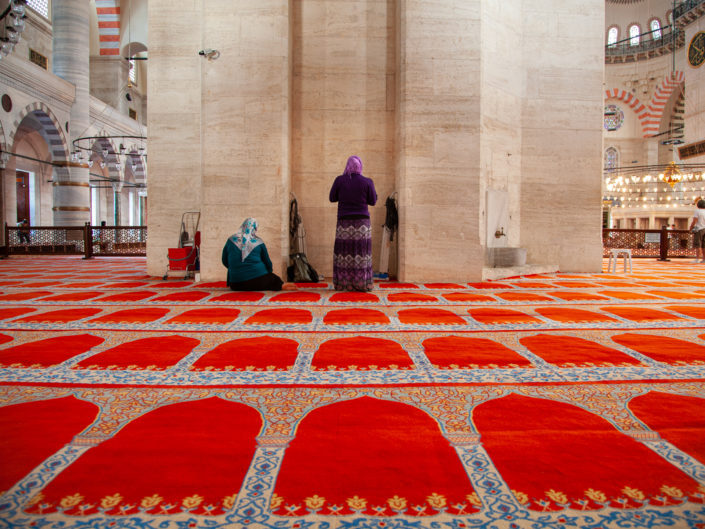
301	270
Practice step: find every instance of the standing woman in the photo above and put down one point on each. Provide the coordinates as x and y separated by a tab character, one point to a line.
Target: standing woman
352	254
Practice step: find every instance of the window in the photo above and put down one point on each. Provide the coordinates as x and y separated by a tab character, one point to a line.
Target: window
669	17
614	117
133	72
655	29
40	6
95	205
131	208
611	159
634	33
612	36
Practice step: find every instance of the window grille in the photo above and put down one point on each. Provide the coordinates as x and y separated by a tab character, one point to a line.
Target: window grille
634	34
612	36
655	29
40	6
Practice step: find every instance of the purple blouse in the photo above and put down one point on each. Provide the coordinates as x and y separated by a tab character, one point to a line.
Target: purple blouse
353	193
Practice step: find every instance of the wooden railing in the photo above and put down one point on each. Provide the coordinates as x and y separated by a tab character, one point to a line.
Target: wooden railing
660	244
89	241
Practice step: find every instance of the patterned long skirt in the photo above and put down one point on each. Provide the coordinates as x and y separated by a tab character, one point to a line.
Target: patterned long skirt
352	259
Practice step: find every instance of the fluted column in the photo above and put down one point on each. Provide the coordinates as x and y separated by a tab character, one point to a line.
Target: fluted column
70	19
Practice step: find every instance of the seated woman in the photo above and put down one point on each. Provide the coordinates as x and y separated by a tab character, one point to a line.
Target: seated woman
249	267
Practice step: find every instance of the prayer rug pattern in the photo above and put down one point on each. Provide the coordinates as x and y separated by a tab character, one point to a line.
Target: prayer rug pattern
551	401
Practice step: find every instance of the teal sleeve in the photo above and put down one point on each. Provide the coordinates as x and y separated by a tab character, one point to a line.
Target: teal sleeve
265	258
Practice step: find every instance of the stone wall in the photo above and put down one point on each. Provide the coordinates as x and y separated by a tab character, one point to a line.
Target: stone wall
563	55
695	90
343	103
441	100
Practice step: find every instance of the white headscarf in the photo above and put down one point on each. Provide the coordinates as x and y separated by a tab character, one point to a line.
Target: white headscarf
246	237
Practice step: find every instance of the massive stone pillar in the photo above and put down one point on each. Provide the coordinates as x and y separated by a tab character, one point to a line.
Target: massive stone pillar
561	164
438	140
70	21
219	124
343	103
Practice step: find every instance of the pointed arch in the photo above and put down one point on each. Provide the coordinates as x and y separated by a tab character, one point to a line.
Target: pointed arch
99	148
658	102
650	114
53	133
633	102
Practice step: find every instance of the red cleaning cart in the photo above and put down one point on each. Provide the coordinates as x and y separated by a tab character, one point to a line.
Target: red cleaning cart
184	258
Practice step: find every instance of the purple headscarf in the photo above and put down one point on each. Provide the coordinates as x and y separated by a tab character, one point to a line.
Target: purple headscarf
354	165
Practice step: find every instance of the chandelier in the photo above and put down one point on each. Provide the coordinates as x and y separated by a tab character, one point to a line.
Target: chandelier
131	151
672	175
12	24
648	186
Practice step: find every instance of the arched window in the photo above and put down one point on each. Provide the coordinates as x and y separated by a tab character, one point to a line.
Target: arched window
634	32
611	159
612	36
655	26
669	17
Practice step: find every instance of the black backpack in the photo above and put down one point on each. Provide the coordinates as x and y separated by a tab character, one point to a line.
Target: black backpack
301	270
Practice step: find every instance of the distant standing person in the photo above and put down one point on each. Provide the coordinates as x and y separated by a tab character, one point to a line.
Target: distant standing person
352	254
246	257
698	228
23	231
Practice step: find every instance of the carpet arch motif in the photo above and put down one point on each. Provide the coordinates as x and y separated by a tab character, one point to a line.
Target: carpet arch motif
31	433
190	457
683	430
663	348
154	353
590	466
360	353
460	352
48	351
571	351
262	353
373	457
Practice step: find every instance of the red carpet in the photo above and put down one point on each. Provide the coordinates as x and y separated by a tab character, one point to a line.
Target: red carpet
544	402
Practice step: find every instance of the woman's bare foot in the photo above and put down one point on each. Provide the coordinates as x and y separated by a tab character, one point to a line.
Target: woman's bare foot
289	286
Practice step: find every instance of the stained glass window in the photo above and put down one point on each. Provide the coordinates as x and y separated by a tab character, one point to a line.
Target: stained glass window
40	6
614	117
634	33
611	158
655	29
612	36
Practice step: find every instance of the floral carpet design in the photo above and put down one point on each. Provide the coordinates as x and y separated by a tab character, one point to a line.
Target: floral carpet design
549	401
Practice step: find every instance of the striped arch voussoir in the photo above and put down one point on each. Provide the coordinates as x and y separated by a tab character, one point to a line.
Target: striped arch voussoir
51	128
649	115
657	106
58	147
108	12
641	110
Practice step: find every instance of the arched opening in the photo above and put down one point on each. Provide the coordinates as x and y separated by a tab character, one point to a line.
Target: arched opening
38	144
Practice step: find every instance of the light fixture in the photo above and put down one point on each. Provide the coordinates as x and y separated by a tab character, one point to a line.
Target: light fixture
130	150
672	175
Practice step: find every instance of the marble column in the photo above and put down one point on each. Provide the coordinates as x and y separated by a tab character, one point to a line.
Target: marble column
219	125
70	21
438	140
